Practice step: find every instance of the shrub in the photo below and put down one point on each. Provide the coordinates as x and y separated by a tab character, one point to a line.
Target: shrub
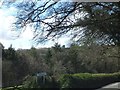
37	82
87	80
30	82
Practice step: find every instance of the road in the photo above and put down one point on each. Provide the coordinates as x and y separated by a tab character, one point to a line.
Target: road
113	86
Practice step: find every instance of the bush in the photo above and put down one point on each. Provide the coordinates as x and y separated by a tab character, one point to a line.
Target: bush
37	82
80	80
30	82
87	80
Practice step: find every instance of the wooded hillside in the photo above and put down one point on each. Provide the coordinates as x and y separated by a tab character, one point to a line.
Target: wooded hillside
57	60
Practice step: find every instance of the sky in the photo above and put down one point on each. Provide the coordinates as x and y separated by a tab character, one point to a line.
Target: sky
8	35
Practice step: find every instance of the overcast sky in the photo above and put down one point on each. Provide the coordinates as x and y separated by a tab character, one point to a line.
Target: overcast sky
8	36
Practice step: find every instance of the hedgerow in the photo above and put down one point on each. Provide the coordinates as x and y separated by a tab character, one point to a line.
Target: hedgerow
88	80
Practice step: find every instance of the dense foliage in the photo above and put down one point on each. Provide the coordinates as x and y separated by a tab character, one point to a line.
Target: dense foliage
79	80
58	60
94	25
87	80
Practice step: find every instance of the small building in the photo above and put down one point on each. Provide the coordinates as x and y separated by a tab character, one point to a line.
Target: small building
41	77
41	74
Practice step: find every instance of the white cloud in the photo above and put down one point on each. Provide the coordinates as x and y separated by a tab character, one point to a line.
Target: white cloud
5	25
1	3
7	35
23	41
27	34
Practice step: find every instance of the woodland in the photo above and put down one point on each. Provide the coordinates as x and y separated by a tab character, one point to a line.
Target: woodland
93	57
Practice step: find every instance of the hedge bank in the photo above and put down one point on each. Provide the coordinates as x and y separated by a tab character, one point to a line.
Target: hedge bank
80	80
87	80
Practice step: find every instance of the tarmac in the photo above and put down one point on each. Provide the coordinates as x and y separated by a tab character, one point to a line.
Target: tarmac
113	86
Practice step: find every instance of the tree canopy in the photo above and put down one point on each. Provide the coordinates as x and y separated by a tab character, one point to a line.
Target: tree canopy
81	20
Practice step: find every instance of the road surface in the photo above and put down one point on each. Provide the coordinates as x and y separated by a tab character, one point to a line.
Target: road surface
113	86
